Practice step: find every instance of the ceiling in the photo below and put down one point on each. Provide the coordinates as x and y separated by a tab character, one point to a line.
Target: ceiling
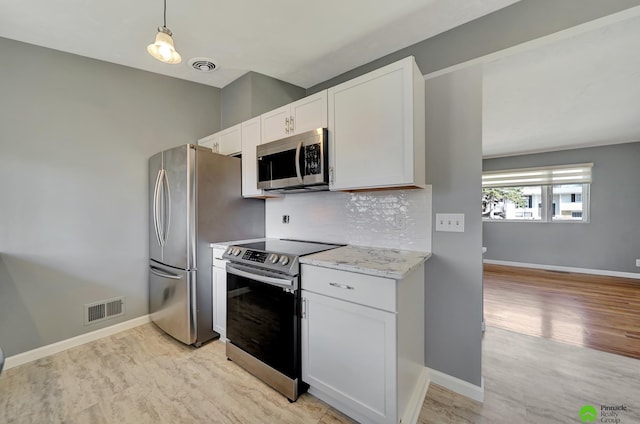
580	91
303	43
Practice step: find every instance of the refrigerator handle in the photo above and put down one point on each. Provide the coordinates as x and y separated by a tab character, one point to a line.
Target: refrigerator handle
156	198
161	273
166	219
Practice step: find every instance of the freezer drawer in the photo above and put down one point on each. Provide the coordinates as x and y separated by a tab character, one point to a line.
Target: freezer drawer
172	301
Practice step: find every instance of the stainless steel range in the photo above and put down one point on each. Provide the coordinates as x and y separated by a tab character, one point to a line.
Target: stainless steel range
263	310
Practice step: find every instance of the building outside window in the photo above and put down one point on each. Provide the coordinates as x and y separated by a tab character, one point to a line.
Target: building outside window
545	194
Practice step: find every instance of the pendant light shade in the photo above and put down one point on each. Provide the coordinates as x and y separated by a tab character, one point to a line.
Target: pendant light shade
163	48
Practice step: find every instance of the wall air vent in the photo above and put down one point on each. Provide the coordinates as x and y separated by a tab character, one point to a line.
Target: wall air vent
104	309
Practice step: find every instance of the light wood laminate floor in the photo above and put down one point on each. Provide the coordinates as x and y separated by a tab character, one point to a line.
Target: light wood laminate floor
143	376
586	310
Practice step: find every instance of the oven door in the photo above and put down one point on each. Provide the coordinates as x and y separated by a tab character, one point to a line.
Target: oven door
262	316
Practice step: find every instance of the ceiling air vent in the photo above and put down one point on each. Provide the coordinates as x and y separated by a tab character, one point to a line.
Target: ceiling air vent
102	310
202	64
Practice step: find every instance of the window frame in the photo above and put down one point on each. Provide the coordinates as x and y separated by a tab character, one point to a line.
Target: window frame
546	212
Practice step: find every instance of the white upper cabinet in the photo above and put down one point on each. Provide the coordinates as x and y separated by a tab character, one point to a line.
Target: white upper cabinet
226	142
376	129
251	136
303	115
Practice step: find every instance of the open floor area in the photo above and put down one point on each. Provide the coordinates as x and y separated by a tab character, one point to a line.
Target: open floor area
143	376
594	311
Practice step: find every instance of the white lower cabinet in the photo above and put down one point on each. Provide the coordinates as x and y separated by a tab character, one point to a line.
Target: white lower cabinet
363	360
349	352
219	291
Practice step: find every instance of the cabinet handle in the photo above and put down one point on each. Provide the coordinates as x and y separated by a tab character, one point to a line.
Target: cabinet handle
331	175
291	126
286	125
304	308
342	286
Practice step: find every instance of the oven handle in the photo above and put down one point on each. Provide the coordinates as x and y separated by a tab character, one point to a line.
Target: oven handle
257	275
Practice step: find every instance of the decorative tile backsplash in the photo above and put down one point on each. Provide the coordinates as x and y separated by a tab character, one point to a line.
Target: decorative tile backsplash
398	219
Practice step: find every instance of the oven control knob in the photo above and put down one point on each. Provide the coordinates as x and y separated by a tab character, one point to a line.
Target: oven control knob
273	258
236	251
284	260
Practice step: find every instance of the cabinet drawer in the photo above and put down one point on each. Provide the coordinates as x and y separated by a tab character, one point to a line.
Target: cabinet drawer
368	290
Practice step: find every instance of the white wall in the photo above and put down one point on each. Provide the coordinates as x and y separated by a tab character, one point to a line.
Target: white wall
398	219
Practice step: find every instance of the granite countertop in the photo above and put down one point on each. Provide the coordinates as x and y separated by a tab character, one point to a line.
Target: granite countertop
389	263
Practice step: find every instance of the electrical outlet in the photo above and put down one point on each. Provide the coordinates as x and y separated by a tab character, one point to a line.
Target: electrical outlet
285	219
453	222
637	262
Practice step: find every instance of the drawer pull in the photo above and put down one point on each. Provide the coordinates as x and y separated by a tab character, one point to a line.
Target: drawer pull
342	286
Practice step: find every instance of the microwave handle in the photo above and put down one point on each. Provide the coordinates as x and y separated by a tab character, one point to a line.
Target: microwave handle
298	149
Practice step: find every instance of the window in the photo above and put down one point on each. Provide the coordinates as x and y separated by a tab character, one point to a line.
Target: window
567	199
559	194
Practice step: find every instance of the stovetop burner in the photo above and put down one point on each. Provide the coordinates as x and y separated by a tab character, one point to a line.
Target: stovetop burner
280	255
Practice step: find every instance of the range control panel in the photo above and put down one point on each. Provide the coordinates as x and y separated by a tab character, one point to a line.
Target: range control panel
270	260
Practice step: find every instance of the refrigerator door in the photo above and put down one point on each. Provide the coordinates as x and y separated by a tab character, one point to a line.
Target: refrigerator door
177	194
172	301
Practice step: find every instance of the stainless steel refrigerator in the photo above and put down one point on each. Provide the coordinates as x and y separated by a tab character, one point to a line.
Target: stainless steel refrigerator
194	199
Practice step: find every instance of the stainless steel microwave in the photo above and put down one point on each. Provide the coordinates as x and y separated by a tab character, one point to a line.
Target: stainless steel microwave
296	163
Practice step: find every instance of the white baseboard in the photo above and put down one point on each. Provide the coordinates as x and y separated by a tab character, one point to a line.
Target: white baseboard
566	269
454	384
44	351
412	413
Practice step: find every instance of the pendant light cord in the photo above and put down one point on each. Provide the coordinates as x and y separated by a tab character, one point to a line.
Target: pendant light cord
165	13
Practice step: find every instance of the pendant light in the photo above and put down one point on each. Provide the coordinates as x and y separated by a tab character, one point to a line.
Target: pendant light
163	49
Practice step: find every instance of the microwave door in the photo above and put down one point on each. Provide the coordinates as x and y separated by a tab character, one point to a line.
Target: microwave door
278	170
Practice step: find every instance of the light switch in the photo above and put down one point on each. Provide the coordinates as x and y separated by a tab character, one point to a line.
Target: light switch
453	222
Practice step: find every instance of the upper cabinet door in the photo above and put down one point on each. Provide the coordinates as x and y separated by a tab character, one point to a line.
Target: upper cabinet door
302	115
309	113
275	124
226	142
211	141
376	129
250	140
230	141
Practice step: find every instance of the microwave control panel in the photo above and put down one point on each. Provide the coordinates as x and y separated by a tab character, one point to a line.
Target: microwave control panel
312	159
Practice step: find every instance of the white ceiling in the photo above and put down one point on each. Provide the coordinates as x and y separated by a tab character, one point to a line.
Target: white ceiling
301	42
577	92
583	90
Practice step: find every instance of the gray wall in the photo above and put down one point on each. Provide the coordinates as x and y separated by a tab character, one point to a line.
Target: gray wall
254	94
75	136
453	304
610	241
515	24
453	292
